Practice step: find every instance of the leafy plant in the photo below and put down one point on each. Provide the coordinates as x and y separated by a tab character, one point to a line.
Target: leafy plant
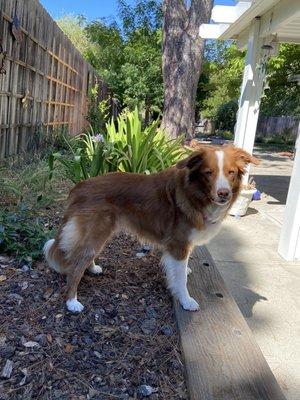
141	150
228	135
125	146
22	234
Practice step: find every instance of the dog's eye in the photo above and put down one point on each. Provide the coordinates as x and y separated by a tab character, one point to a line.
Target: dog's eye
208	172
231	172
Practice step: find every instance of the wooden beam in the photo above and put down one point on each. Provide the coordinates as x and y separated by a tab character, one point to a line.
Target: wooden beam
62	62
51	78
222	359
58	123
60	104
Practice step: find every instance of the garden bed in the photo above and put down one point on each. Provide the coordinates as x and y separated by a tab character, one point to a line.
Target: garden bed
125	338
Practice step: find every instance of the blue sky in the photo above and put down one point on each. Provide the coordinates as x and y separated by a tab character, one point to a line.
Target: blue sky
92	9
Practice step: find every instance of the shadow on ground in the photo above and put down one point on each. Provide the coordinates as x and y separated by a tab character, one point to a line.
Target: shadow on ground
274	185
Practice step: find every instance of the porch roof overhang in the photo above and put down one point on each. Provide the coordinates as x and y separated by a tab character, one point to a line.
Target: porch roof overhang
278	19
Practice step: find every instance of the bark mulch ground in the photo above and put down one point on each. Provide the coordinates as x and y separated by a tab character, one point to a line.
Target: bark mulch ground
124	345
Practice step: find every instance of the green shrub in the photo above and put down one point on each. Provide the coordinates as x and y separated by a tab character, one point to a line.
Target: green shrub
228	135
226	116
22	234
285	138
124	147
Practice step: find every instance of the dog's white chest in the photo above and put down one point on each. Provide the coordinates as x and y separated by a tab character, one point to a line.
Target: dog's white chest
212	224
202	236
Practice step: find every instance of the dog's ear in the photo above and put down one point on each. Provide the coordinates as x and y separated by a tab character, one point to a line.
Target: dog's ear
191	162
243	158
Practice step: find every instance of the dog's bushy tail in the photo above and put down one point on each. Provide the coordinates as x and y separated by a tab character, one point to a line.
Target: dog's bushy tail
49	252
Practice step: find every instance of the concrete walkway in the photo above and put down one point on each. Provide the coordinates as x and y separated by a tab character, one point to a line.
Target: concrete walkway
265	287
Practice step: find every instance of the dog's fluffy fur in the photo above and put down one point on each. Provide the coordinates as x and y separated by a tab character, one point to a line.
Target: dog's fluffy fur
174	209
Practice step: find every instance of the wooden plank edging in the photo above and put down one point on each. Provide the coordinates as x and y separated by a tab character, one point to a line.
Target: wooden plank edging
222	359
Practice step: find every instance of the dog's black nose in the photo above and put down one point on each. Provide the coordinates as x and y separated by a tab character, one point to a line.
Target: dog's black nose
223	193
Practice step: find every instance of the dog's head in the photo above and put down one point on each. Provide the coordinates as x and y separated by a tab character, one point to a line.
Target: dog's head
214	174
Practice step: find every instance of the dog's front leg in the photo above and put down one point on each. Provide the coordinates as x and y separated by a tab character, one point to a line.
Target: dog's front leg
176	273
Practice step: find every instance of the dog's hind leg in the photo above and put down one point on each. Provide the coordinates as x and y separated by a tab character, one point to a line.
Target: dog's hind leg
81	257
79	264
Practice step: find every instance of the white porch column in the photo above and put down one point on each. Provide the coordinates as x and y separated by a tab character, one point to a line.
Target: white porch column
289	242
251	92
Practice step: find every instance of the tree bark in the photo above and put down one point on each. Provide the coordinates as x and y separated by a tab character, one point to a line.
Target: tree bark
181	60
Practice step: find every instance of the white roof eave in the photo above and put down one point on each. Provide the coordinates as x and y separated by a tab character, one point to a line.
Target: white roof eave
257	9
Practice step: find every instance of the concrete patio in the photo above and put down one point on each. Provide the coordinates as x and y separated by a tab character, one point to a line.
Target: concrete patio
265	287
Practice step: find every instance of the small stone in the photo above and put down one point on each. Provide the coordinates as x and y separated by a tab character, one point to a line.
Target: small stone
24	285
17	297
49	338
4	260
30	344
7	351
69	348
92	393
145	390
41	339
167	330
140	255
148	325
23	380
124	328
87	340
150	312
74	340
97	354
2	340
7	369
25	268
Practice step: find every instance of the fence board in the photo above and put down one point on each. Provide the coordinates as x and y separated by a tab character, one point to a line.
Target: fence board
274	126
46	82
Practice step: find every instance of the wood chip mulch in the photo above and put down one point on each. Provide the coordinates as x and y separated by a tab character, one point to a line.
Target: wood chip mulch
124	345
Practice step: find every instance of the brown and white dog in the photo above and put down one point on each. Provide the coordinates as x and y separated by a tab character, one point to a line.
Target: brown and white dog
175	209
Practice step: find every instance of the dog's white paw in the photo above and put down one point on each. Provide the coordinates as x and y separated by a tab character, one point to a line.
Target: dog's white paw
95	269
189	304
74	305
188	270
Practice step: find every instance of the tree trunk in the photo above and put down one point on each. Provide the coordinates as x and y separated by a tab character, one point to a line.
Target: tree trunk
182	58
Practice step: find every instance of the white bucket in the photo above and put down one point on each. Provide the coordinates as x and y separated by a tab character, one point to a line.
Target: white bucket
241	204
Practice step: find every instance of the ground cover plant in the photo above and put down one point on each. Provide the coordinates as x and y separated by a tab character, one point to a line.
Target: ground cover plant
28	206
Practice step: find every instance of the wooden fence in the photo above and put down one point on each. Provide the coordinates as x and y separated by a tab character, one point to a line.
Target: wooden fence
45	80
274	126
